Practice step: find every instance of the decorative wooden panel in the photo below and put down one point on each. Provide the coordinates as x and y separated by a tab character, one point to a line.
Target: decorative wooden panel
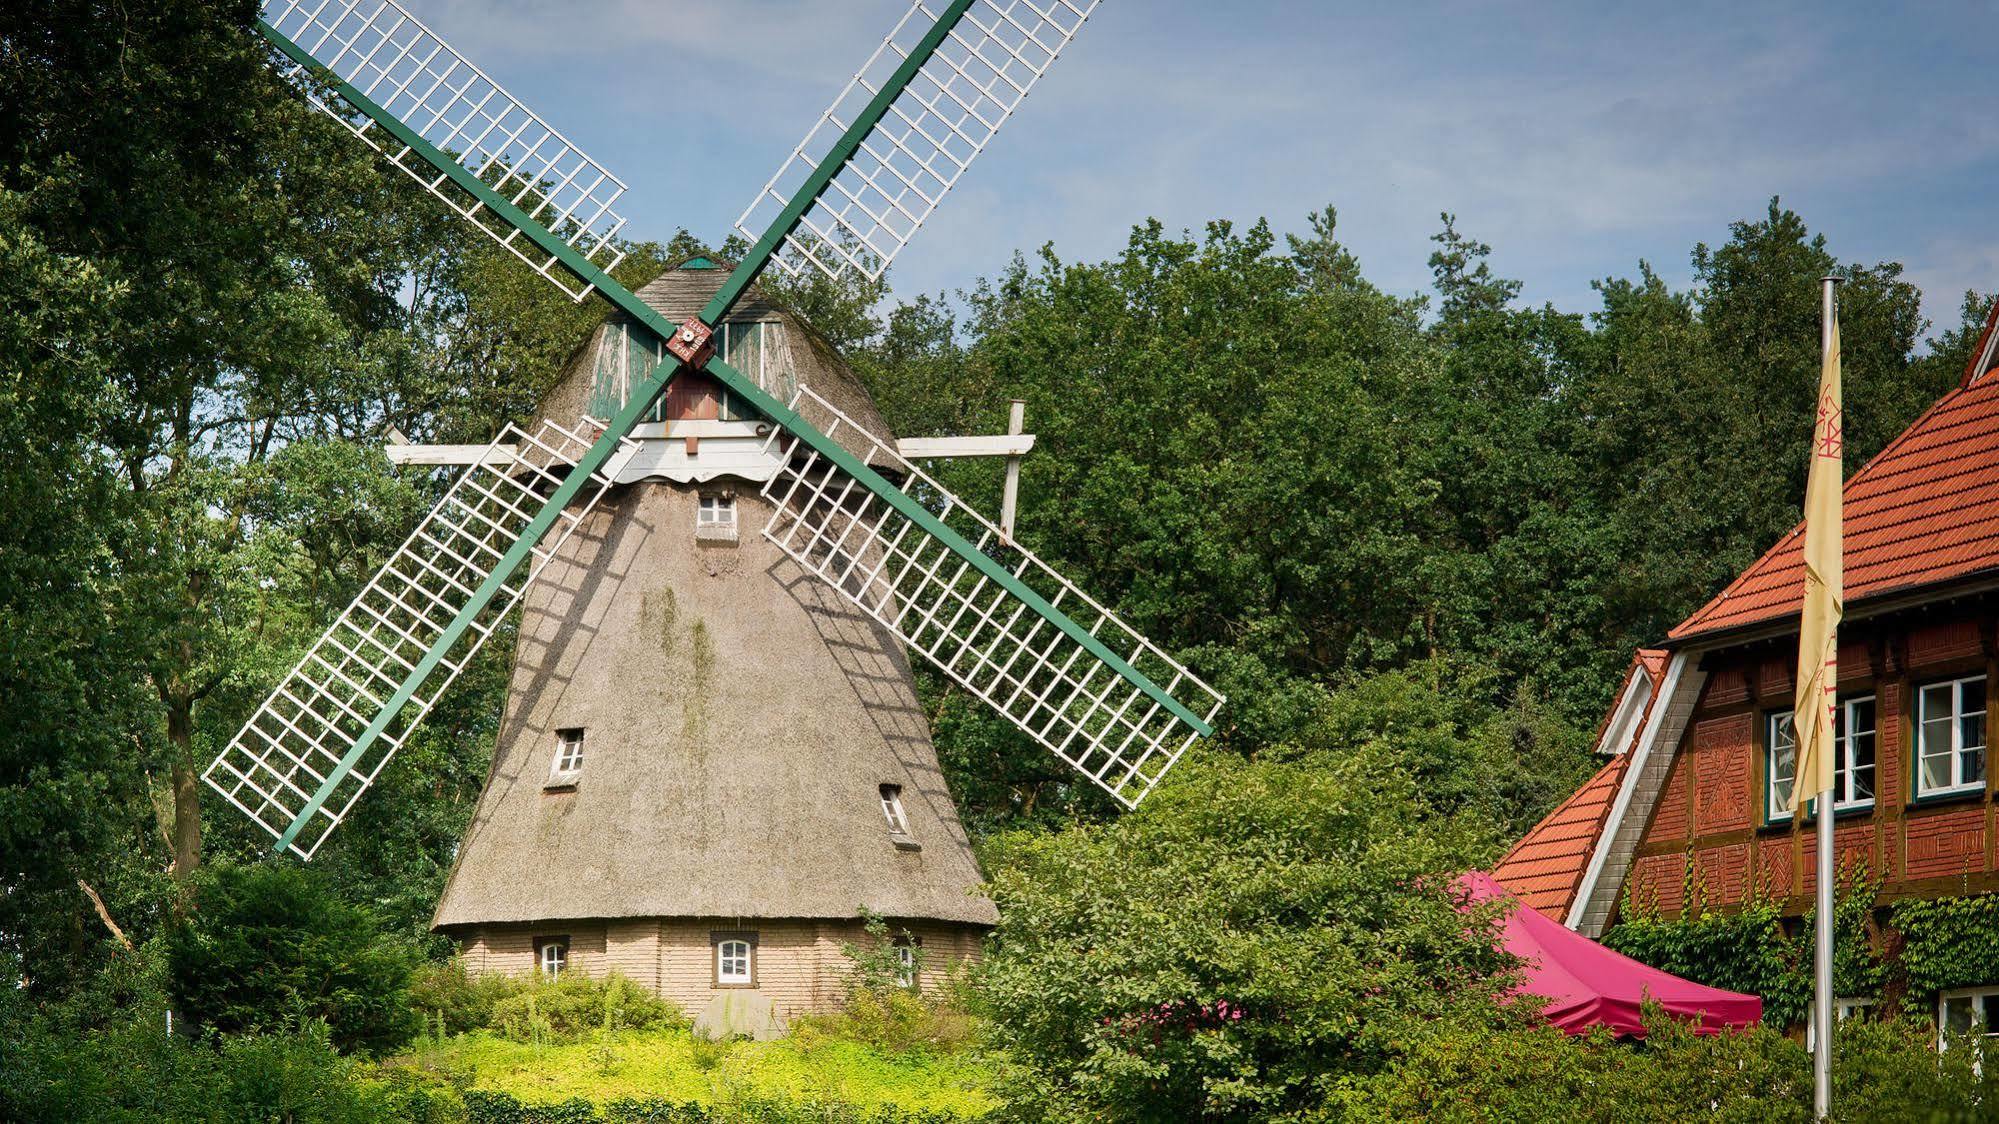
1670	820
1775	678
1938	643
1777	867
1725	872
1891	781
1725	687
1856	661
1660	880
1720	748
1854	845
1945	843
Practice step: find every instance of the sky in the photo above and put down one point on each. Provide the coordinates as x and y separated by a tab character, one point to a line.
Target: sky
1576	138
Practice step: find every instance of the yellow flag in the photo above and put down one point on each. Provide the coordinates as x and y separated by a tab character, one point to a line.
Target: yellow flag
1825	581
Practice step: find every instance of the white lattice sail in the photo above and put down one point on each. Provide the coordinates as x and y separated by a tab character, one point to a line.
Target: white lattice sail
932	132
390	57
275	768
981	634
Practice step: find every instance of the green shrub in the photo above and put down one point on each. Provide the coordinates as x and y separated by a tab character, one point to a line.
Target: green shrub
453	1001
268	949
500	1108
568	1009
878	1011
1237	947
135	1073
1882	1071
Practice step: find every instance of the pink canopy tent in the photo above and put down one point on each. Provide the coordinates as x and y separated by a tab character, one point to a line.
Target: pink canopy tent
1588	985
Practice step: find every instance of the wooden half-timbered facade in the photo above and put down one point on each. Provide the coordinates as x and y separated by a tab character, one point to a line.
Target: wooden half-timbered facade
1692	801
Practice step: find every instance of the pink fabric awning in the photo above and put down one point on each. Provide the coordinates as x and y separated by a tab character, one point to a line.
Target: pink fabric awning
1588	985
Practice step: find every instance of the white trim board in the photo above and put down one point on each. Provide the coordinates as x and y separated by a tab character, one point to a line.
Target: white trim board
1644	777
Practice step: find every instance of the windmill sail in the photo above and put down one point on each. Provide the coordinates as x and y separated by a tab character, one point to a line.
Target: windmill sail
1095	693
323	736
977	59
387	56
1098	695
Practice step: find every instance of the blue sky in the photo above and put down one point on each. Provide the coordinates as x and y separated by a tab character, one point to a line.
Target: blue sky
1576	138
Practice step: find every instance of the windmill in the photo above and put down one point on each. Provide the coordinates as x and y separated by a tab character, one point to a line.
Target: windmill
868	541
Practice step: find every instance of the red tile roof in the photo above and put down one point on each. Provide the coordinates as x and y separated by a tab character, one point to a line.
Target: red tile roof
1922	512
1544	868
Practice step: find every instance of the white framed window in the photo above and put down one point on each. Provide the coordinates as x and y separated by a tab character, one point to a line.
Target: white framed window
1968	1011
1950	736
905	960
568	763
551	956
1842	1010
716	511
898	824
1855	740
734	961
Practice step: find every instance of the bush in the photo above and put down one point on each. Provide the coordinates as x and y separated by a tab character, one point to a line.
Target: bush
1249	938
136	1073
453	1001
500	1108
268	949
567	1010
1883	1071
878	1011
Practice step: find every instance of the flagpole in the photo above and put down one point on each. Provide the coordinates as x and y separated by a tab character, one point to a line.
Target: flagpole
1822	954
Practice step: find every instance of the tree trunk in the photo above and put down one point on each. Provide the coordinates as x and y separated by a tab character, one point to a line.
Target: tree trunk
186	786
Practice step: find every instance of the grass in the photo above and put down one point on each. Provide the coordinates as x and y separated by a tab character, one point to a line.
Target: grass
673	1064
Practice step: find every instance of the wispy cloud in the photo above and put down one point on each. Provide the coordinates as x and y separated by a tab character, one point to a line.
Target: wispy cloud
1575	137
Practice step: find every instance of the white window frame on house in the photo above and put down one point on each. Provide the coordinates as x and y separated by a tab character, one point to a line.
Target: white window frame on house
1842	1010
1963	759
568	763
1982	1005
716	510
905	959
735	959
1856	726
551	956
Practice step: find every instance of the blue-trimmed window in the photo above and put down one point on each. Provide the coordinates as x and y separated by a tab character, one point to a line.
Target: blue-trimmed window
1855	741
1950	736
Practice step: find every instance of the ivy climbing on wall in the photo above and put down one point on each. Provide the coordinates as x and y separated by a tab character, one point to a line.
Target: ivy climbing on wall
1748	949
1946	943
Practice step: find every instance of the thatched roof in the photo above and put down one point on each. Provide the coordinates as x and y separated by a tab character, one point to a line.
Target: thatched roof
739	717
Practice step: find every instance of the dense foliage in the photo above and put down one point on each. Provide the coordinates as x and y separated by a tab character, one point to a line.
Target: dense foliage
1946	943
268	948
1886	1072
1251	937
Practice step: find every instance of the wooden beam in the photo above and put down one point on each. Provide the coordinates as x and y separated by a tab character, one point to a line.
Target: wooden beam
448	454
1016	418
998	445
914	448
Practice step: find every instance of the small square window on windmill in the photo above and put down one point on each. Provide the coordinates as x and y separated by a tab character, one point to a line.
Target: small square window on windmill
849	508
567	768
